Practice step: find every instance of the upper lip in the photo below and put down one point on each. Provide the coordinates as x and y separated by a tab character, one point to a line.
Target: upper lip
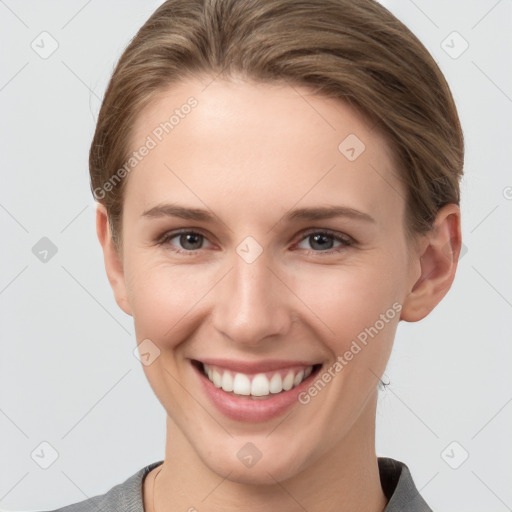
255	366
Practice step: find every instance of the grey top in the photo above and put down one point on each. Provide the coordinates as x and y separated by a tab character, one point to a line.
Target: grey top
395	479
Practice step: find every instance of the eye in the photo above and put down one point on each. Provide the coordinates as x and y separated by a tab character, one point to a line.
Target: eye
323	240
190	241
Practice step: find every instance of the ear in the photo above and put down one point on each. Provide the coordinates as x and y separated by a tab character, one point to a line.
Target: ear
113	260
437	255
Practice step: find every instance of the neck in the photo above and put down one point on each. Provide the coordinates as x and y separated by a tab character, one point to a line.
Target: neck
344	479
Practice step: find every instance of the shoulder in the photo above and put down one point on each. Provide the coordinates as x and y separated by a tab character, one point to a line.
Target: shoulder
399	488
124	497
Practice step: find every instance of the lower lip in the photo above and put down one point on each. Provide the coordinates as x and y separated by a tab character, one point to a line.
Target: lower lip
248	409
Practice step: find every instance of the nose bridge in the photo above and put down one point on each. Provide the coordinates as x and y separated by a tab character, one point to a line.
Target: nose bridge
253	303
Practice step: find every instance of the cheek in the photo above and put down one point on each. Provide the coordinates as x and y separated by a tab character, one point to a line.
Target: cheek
339	301
162	295
346	299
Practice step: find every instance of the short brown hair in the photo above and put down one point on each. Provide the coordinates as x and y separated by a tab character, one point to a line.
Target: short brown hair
357	52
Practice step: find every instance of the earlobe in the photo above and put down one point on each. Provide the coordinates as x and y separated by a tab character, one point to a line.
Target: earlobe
438	259
112	259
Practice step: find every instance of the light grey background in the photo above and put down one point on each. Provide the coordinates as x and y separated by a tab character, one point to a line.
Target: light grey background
68	374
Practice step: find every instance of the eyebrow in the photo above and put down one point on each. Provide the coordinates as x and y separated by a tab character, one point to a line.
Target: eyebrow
315	213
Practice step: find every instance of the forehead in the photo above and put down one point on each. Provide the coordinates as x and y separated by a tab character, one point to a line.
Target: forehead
280	144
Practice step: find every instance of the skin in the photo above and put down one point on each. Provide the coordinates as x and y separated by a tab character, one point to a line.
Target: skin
249	153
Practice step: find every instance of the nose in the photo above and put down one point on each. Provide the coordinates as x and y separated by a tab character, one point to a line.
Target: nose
253	306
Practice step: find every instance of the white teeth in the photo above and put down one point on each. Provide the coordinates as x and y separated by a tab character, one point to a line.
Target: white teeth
227	382
288	381
241	384
216	377
298	378
276	383
260	385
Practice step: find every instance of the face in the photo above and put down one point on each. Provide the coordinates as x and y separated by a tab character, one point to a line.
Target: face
234	255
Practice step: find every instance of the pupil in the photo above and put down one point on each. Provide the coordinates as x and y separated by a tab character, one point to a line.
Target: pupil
189	238
318	237
322	241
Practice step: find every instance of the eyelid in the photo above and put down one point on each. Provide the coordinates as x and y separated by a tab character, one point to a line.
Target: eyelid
346	240
173	233
335	234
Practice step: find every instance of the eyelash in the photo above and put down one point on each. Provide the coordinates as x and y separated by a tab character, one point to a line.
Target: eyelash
345	240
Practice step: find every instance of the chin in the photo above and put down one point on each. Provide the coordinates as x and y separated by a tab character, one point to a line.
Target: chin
268	470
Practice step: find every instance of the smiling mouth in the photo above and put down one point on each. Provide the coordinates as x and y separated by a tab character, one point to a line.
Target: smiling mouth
258	385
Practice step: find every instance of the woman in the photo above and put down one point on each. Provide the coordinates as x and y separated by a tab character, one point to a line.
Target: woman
278	187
